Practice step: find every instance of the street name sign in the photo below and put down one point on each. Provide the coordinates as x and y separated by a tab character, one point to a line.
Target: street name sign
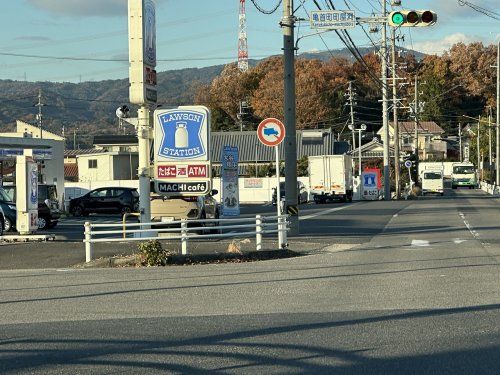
333	19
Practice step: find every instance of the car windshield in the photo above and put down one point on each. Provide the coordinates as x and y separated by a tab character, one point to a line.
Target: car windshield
432	176
3	196
47	192
463	169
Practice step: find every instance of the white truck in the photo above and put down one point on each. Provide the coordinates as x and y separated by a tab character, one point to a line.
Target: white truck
432	181
330	178
463	174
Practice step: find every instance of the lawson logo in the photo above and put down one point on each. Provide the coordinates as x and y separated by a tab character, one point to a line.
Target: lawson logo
182	134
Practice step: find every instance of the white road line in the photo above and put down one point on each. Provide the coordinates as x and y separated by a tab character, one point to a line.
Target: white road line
311	216
474	233
420	243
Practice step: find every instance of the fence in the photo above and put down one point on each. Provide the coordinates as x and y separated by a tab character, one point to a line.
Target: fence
261	225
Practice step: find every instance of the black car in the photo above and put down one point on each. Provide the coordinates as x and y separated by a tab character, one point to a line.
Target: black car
8	212
106	200
301	193
48	205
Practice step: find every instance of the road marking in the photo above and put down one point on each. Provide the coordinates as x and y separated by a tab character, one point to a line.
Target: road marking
306	217
474	233
420	243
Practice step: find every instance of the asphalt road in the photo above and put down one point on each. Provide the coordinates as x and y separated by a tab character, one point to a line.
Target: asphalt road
420	296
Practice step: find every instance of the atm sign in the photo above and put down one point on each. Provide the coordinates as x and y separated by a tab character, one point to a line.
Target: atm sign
182	171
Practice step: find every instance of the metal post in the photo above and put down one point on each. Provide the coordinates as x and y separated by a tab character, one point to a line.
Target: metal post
478	141
288	24
359	152
415	109
88	244
278	191
352	115
385	122
143	129
397	164
284	235
258	232
184	237
490	151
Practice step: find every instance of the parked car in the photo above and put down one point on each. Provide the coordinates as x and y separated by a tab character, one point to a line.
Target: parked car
8	212
301	193
165	210
48	205
120	200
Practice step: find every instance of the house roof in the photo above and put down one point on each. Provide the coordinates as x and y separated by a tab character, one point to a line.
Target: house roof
115	139
86	151
406	127
372	149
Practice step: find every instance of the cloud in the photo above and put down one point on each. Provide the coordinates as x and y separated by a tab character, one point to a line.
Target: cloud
33	38
437	47
83	8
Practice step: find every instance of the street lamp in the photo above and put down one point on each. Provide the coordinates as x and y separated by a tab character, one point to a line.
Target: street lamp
362	128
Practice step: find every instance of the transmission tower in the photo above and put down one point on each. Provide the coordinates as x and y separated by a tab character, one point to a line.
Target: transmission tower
242	39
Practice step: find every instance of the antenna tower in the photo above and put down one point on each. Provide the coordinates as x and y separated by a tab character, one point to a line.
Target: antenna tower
242	39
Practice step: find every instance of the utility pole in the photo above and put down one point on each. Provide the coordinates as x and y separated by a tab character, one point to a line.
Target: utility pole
351	105
478	141
39	116
74	138
460	140
397	170
497	157
489	138
288	24
415	112
385	122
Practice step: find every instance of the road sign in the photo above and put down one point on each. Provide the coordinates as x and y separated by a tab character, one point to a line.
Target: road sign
271	132
333	19
408	163
229	181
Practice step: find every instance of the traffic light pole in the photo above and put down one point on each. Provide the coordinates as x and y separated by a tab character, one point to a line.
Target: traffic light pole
385	122
397	163
288	24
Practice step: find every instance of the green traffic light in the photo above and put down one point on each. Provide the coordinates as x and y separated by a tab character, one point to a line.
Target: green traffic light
398	18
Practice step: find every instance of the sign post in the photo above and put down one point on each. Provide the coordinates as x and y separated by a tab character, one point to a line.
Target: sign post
27	193
142	77
271	133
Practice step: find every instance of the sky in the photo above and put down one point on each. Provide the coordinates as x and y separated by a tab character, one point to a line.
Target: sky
195	33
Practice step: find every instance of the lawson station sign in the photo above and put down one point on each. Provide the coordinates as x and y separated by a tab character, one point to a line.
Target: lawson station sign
182	151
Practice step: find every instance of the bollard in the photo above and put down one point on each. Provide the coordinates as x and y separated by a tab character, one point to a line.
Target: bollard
284	237
184	237
258	232
88	244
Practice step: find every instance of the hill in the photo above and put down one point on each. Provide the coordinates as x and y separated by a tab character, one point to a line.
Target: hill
88	108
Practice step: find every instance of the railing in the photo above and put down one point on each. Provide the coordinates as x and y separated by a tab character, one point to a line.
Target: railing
261	225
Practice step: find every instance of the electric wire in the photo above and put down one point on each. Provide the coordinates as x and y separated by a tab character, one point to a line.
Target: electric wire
260	9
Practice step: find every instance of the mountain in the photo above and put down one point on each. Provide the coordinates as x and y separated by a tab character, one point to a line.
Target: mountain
88	108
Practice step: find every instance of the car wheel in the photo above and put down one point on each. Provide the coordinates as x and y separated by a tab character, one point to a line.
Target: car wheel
7	226
1	227
125	210
42	222
77	211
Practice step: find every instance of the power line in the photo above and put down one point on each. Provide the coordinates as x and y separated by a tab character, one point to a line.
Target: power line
479	9
260	9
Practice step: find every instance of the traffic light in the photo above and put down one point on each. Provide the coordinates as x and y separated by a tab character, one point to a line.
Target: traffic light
412	18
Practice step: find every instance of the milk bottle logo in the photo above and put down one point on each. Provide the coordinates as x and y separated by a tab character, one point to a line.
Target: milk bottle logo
181	134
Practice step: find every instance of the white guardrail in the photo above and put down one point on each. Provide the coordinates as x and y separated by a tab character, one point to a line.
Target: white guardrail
260	226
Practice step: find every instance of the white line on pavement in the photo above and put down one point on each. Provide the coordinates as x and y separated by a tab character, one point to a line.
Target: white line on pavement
469	227
327	211
419	243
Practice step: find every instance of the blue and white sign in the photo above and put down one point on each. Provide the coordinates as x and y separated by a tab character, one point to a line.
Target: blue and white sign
182	134
333	19
369	185
149	24
408	163
230	186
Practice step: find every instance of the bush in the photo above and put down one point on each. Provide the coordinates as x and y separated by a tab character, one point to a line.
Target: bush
152	254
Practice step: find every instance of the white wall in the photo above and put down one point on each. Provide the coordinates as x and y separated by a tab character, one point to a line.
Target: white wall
103	172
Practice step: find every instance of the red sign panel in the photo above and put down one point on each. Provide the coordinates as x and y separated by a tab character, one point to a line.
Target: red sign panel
182	171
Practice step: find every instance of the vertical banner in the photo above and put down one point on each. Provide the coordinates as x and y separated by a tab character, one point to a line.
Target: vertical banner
229	178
